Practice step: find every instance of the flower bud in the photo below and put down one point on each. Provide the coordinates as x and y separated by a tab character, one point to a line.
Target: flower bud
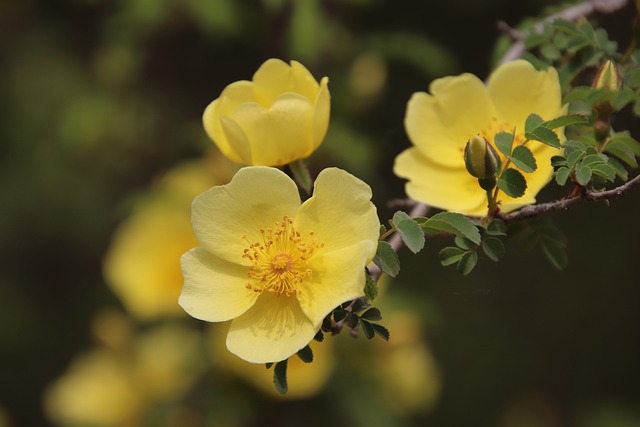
482	161
608	77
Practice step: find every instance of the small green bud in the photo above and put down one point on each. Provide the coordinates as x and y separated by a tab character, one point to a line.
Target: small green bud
482	161
608	77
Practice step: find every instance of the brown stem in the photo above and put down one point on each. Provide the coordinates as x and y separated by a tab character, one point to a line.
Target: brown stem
564	204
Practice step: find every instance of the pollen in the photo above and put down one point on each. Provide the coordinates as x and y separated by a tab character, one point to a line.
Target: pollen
279	262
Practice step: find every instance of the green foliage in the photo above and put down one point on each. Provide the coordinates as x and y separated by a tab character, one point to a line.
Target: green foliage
465	254
387	259
493	248
370	287
350	314
584	165
504	142
305	354
450	222
512	182
280	377
523	158
409	230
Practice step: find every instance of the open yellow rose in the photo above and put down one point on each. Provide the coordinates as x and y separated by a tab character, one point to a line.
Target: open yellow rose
439	125
280	116
273	265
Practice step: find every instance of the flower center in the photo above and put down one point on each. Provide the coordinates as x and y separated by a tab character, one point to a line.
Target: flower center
280	261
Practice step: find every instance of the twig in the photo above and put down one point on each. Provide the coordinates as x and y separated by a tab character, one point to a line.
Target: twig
564	204
572	13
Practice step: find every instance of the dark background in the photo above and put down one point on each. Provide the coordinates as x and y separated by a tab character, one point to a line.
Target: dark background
98	97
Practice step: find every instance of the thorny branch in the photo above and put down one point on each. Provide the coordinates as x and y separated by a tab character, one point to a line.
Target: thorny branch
564	204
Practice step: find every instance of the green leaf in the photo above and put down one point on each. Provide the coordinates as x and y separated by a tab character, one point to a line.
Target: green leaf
593	159
280	377
454	223
367	328
467	263
352	320
381	331
450	255
305	354
622	152
301	175
493	248
523	158
387	259
503	142
512	183
371	314
583	174
359	305
544	135
627	140
562	175
604	170
558	161
339	315
574	157
532	122
619	168
550	52
497	227
556	254
463	243
565	26
370	286
410	231
568	120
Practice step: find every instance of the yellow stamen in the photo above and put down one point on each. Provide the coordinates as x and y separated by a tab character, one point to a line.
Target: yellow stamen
280	261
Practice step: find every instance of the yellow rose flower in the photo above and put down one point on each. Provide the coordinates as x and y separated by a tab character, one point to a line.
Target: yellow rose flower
439	125
280	116
273	266
142	264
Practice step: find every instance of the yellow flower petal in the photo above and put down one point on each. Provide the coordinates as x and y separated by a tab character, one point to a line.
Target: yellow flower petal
340	213
442	123
321	113
518	89
232	96
214	290
276	77
272	330
279	135
255	198
451	188
236	140
338	277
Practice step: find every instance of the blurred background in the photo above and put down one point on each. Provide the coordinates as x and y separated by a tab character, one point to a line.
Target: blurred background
102	149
